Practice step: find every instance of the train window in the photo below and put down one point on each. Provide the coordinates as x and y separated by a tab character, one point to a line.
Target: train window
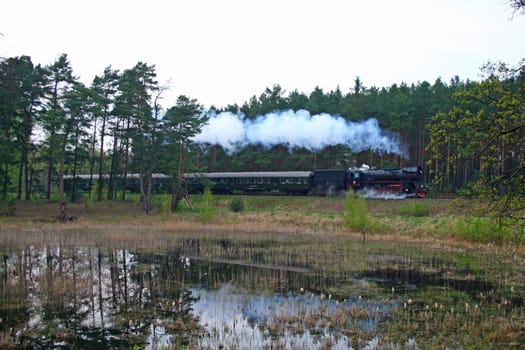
267	181
252	180
260	181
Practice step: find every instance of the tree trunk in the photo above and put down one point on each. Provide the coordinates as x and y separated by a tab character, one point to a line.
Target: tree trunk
21	173
101	160
92	158
74	182
6	182
214	158
143	197
62	209
126	161
113	170
49	174
29	179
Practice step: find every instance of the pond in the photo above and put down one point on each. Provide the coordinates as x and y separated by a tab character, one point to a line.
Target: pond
259	292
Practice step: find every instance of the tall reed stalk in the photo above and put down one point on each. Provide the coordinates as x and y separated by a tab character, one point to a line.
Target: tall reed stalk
356	213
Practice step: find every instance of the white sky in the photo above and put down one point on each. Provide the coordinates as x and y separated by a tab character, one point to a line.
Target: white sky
225	51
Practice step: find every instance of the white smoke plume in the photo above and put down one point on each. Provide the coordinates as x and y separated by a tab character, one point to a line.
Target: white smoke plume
370	193
297	129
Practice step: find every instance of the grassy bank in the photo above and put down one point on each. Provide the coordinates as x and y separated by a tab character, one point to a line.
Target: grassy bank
430	221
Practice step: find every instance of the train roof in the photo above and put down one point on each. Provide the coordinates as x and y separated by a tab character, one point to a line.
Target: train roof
106	176
260	174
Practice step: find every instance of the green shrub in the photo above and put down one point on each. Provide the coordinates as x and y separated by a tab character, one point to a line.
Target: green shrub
356	213
207	209
237	205
89	200
165	205
88	204
55	197
404	209
472	228
418	209
7	207
483	229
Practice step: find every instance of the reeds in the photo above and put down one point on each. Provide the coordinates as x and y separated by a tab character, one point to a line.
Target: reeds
303	320
401	286
320	305
442	223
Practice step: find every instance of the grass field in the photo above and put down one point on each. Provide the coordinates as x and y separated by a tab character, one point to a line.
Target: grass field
440	222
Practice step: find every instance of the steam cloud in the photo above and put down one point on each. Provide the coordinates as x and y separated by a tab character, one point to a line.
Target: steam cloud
296	130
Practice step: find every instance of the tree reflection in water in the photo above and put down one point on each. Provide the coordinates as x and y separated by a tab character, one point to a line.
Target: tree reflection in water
89	297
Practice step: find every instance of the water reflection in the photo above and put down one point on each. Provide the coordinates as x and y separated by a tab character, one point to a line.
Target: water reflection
87	297
211	293
291	321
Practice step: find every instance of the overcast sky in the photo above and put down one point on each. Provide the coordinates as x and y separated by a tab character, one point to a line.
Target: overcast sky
225	51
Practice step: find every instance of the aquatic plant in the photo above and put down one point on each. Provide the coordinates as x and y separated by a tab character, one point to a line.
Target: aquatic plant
356	214
207	208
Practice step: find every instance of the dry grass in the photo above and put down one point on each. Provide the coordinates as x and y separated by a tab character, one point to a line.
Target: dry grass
123	222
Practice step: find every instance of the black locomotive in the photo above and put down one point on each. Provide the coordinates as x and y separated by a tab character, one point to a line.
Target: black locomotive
406	182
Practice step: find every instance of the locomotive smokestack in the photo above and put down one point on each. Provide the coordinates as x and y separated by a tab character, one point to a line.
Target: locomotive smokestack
297	129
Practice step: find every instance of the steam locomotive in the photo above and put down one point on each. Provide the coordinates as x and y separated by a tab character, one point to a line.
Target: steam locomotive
406	182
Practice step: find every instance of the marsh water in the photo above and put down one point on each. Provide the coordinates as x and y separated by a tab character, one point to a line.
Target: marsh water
250	293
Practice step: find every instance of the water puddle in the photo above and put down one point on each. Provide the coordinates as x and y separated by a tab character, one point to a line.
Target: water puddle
208	294
305	320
